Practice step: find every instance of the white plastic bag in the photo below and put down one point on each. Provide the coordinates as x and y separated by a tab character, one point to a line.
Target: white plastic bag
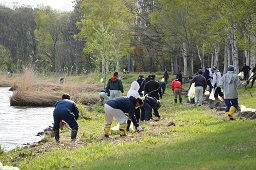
191	92
241	75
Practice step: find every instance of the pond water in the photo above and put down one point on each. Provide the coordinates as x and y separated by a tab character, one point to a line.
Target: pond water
19	125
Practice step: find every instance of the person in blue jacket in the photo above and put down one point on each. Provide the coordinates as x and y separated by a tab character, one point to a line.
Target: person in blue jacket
66	110
118	108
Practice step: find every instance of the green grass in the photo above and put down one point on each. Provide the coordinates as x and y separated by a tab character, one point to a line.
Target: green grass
201	139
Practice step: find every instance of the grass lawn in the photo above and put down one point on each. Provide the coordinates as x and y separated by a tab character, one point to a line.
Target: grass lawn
200	139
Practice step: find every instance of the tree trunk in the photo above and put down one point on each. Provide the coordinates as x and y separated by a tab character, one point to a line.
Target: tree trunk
185	58
216	55
234	49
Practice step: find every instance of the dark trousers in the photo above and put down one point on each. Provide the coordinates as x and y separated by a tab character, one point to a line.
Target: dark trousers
218	92
230	102
146	111
67	117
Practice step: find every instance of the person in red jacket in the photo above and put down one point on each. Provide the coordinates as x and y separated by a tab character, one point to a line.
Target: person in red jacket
176	87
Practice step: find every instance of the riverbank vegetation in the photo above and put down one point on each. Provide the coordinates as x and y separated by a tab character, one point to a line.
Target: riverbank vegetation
188	136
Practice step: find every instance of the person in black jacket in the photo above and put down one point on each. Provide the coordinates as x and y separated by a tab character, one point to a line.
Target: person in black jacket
179	76
66	110
117	108
208	79
153	88
166	77
246	70
200	86
253	77
149	104
140	79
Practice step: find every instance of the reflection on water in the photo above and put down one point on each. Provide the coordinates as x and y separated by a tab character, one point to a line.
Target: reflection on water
18	125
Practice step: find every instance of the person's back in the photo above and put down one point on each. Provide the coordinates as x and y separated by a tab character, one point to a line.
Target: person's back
230	82
153	88
134	90
140	80
65	106
114	86
179	76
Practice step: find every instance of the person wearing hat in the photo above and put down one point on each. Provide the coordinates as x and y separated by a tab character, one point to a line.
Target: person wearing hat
230	82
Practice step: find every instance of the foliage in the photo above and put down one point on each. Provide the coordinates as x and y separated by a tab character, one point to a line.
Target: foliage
117	16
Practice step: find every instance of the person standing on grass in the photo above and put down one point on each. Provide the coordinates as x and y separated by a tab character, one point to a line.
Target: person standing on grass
66	110
114	86
140	79
253	76
216	84
117	108
153	88
208	79
200	86
166	77
246	70
176	87
230	82
179	76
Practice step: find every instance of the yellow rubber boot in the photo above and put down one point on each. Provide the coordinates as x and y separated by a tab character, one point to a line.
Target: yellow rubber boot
227	115
107	130
232	110
122	128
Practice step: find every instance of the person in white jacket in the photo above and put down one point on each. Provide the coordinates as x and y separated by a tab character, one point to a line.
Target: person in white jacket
134	91
216	84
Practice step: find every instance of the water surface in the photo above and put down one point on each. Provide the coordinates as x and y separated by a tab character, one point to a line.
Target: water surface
20	125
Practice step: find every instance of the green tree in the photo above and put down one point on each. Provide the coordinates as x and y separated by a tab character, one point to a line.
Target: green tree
104	47
118	15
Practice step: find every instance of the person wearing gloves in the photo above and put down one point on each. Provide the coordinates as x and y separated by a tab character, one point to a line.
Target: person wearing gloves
66	110
153	88
114	85
134	91
117	108
230	82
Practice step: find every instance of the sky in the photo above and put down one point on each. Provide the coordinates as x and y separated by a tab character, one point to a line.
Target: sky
62	5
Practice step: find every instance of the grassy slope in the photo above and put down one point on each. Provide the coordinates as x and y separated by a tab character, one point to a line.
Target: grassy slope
201	139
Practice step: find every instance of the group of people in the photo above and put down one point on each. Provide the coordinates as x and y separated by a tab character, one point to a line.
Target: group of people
144	96
217	84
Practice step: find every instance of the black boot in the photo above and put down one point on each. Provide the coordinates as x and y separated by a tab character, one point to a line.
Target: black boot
73	134
180	100
175	100
57	135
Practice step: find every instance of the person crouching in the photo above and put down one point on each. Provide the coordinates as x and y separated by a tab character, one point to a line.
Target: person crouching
66	110
117	108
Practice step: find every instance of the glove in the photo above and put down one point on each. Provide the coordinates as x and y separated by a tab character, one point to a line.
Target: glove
139	129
